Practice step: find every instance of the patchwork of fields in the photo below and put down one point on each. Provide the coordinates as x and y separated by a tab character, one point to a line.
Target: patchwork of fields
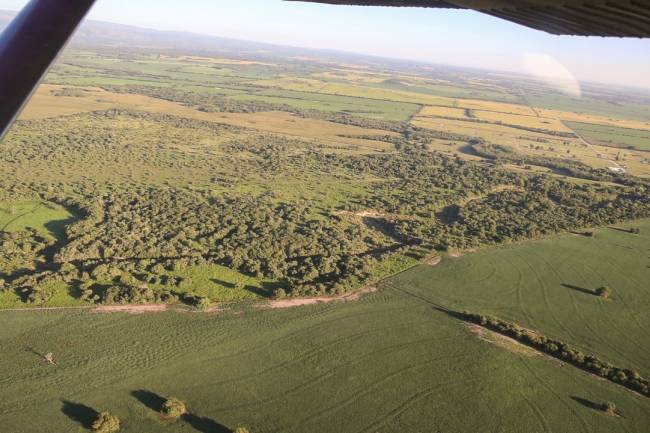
532	124
212	184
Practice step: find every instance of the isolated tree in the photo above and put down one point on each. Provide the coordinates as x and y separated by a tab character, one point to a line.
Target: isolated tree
241	430
609	408
173	408
604	292
106	423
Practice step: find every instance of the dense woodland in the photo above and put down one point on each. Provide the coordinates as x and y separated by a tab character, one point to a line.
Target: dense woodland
147	207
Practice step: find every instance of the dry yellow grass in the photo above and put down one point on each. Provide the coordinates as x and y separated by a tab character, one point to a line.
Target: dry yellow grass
294	83
221	61
592	118
534	144
356	76
45	104
492	133
525	121
442	111
500	107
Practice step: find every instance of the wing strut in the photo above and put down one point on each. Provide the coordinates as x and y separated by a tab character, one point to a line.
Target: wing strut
29	45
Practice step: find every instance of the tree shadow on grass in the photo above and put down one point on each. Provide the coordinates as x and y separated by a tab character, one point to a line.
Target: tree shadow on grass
587	403
150	399
618	229
155	402
204	424
223	283
84	415
580	289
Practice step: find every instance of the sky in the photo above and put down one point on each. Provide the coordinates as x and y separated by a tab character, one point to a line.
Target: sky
461	38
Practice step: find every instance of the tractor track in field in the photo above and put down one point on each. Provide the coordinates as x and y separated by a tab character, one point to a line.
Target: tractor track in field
409	402
316	380
578	312
311	353
606	315
370	389
557	396
539	414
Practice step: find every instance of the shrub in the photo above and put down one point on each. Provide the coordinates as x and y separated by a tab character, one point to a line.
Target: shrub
604	292
279	294
609	408
241	430
106	423
173	408
203	303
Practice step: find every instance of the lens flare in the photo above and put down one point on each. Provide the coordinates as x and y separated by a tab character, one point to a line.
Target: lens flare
548	69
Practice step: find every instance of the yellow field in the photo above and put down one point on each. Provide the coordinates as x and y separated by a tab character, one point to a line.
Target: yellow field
521	120
45	104
442	111
536	144
294	83
220	61
592	118
492	133
356	76
500	107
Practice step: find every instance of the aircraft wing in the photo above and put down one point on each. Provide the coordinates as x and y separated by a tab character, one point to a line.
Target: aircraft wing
560	17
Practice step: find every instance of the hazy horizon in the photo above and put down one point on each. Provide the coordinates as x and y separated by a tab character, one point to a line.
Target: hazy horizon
462	38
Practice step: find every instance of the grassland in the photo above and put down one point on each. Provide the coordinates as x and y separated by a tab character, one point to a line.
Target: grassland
603	108
375	93
387	363
612	136
398	111
46	104
549	286
47	218
541	133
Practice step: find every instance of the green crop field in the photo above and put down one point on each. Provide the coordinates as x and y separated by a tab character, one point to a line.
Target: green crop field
467	92
613	136
388	110
388	363
588	105
548	286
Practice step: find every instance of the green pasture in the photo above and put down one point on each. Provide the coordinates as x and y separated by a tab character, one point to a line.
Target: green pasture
46	217
388	363
387	110
548	286
612	136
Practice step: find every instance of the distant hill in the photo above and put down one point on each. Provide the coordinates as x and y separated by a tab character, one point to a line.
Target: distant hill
103	34
99	33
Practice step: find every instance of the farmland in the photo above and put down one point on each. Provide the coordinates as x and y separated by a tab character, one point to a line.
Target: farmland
373	365
203	186
613	136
